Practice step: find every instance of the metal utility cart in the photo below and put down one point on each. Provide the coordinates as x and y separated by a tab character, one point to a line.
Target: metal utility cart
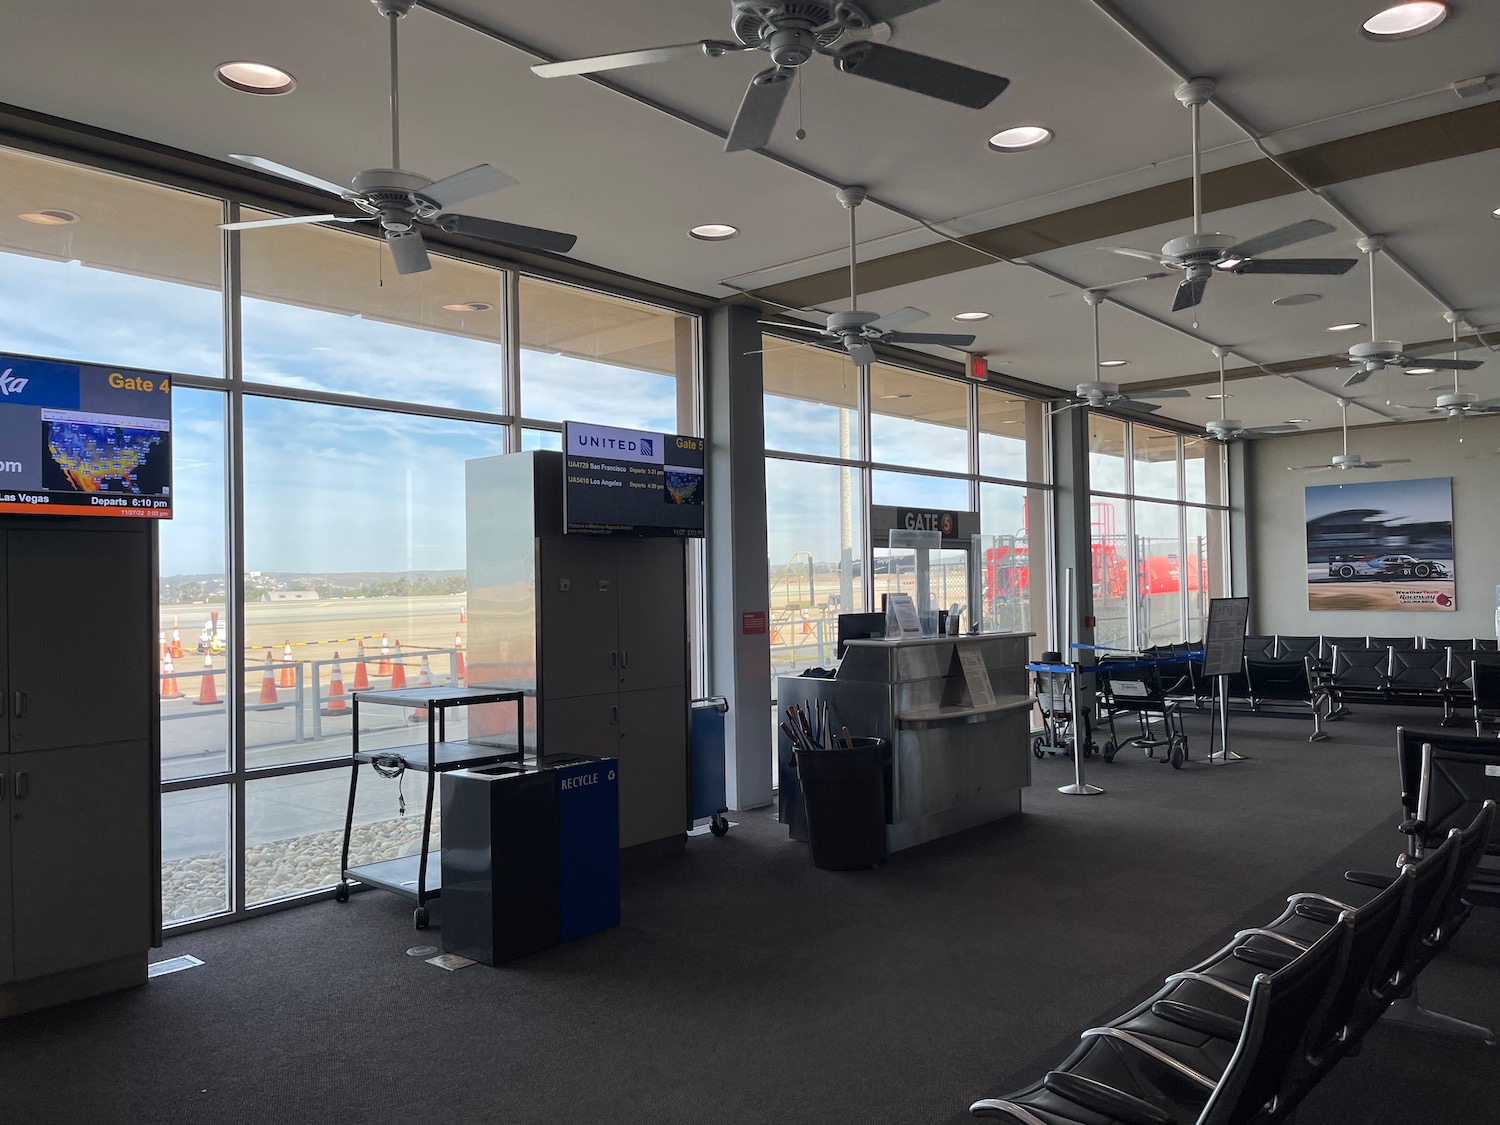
1136	686
408	875
1053	684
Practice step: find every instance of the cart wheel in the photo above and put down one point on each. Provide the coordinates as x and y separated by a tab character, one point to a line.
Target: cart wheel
1110	750
419	917
1150	751
1089	748
1178	751
718	825
341	892
1036	746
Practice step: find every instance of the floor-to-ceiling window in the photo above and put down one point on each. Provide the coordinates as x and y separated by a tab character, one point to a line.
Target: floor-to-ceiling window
321	417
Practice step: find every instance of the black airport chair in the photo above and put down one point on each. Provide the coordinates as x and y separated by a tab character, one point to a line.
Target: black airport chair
1418	676
1400	644
1354	675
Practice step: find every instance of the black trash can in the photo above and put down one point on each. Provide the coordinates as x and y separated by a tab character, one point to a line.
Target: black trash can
843	791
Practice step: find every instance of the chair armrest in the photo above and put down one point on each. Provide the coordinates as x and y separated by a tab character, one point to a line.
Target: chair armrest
1198	1019
1369	879
1412	827
1104	1099
1263	958
1317	912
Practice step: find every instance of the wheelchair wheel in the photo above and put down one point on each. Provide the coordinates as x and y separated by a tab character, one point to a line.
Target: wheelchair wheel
1037	744
1178	751
1110	750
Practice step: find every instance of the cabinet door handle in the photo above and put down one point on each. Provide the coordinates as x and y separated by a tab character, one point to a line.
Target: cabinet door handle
624	658
614	659
21	701
23	785
2	787
614	716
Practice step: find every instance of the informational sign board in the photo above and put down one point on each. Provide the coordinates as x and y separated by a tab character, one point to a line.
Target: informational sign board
79	439
753	622
981	694
901	617
1224	637
632	482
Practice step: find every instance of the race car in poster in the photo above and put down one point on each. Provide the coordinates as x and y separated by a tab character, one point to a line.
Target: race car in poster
1384	566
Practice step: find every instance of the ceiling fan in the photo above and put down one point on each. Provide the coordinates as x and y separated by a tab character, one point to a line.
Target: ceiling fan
399	200
1377	354
1199	255
1099	393
856	329
1459	404
1222	429
1347	460
791	32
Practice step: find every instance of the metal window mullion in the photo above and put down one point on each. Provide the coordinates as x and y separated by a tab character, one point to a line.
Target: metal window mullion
866	489
234	479
510	329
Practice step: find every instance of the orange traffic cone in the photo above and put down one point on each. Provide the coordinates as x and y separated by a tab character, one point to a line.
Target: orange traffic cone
398	669
424	679
335	704
206	691
176	639
288	674
460	673
384	667
463	615
164	649
268	696
361	673
169	688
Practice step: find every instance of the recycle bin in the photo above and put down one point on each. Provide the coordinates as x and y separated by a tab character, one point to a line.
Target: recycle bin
843	791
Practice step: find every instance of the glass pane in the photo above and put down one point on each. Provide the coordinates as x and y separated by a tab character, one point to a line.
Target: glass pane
354	546
194	853
910	490
1010	436
1106	454
811	400
1159	560
324	310
541	439
194	721
294	829
1197	454
815	536
1155	455
1014	540
586	357
1196	570
919	420
131	279
1109	539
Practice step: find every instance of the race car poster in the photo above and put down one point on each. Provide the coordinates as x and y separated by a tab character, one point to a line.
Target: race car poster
1381	545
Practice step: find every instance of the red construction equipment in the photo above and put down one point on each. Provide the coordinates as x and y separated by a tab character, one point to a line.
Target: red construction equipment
207	693
288	673
384	667
460	672
268	697
361	673
169	688
398	669
336	704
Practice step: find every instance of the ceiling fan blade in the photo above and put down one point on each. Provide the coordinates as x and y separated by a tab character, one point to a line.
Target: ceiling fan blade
1266	431
759	110
1172	392
1283	236
1439	346
1321	267
883	11
862	353
1385	461
1131	252
950	339
1358	377
468	184
780	324
1127	403
895	321
921	74
286	172
510	234
1308	468
1487	405
294	220
622	59
1189	293
408	251
1435	364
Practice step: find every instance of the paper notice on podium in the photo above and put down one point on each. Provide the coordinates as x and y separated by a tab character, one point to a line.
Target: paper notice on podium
981	694
904	610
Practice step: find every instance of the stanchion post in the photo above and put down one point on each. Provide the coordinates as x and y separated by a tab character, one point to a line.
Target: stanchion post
1223	756
1079	788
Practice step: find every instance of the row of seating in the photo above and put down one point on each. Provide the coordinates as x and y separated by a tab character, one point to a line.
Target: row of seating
1240	1038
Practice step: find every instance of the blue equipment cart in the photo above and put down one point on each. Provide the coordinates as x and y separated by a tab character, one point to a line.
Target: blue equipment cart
706	767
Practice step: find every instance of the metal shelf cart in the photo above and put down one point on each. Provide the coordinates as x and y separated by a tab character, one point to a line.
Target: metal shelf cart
1136	686
408	875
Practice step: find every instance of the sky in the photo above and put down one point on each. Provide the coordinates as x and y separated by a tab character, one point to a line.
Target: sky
1407	501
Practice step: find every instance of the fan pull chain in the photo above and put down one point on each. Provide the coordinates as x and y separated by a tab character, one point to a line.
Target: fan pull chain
801	133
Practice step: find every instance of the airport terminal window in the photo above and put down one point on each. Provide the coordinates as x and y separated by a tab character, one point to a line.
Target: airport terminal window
1016	544
588	357
918	420
1154	453
323	310
108	269
1163	575
1010	429
195	854
811	400
1107	453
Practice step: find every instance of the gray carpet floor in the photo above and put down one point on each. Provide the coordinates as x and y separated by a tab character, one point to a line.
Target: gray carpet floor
745	985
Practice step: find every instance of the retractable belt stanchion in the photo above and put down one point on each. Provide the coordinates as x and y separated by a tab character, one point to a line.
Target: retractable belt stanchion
1223	756
1079	788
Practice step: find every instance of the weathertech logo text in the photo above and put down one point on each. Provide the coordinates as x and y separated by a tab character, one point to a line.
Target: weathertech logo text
9	383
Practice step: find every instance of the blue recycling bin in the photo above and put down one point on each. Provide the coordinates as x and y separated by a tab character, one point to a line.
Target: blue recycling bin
588	830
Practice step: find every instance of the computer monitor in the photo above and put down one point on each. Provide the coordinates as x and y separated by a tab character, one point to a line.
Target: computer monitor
859	627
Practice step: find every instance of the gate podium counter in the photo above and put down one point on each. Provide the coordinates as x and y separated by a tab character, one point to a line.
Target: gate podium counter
955	762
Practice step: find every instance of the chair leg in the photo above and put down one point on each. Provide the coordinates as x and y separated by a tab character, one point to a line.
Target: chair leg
1318	734
1408	1012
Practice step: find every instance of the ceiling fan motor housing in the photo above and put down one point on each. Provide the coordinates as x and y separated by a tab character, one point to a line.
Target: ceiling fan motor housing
1345	460
851	322
1190	250
1457	402
791	32
1223	427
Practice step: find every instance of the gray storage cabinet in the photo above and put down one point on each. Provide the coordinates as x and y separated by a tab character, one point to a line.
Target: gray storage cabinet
79	899
593	628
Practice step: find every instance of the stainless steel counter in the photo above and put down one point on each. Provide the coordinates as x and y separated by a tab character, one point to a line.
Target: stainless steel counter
956	761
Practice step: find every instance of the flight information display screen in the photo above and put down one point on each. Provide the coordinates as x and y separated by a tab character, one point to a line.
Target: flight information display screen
632	482
82	439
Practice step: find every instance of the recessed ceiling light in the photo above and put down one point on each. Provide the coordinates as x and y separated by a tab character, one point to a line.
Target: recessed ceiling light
714	232
469	306
1217	396
1350	326
255	78
51	217
1420	370
1020	138
971	316
1296	299
1402	21
1496	212
1296	421
1114	363
906	395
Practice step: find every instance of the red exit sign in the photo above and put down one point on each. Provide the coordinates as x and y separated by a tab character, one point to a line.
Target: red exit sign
979	368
